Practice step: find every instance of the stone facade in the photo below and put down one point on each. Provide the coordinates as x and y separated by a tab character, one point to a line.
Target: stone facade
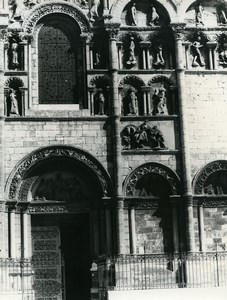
117	109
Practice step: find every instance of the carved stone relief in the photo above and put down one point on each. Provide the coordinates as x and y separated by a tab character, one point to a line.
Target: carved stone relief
142	137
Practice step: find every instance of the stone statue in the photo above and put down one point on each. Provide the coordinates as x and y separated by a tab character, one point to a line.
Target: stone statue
132	102
197	57
13	103
101	103
223	52
159	102
12	8
154	17
127	137
131	59
13	54
222	17
94	14
159	60
133	15
199	14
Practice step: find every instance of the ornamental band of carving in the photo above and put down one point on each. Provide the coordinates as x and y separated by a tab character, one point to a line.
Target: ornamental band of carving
205	173
151	168
46	153
48	8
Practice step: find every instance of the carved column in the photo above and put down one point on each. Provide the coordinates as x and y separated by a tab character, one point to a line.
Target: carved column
12	230
146	55
132	230
186	46
212	57
119	45
180	73
108	227
2	122
84	39
175	225
112	29
201	227
91	101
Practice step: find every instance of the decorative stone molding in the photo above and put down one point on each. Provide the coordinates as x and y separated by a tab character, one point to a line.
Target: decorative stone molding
202	175
131	78
51	8
47	209
18	175
15	80
104	79
155	168
141	203
160	78
113	29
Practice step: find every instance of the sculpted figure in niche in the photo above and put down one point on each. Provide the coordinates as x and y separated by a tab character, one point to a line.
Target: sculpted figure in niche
154	17
101	103
223	52
199	14
13	103
131	59
132	102
12	8
159	60
133	15
13	54
197	57
159	102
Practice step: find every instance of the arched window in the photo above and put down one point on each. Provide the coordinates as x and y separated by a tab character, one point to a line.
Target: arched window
59	53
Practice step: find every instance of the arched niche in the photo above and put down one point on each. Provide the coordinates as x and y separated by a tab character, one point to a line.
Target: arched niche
100	88
211	179
14	96
132	95
132	54
118	10
143	14
164	86
162	55
73	168
205	13
151	179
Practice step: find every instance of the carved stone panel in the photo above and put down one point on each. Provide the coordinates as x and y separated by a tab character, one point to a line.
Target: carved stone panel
46	262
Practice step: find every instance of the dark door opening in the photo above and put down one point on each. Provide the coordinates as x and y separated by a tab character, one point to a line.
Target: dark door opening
75	252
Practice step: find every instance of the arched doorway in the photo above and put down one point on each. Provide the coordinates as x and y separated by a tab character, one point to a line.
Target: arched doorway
152	192
63	220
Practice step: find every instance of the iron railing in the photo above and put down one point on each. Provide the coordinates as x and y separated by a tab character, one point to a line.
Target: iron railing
154	271
16	276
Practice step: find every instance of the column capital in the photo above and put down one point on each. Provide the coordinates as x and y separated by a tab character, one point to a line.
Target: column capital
188	200
178	30
113	29
145	44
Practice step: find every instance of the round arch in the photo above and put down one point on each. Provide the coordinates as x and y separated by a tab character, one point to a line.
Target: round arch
164	172
201	183
187	3
119	5
17	177
44	9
